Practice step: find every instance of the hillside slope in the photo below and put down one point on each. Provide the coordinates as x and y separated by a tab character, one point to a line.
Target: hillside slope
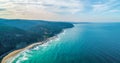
16	34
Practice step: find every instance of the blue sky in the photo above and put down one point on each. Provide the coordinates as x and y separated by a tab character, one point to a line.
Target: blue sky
62	10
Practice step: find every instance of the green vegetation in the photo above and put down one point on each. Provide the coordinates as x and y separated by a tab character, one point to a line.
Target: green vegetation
16	34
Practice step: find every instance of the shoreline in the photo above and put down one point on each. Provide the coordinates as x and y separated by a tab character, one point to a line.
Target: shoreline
14	53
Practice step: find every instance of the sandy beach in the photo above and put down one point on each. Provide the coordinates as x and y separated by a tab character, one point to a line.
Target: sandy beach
14	53
10	55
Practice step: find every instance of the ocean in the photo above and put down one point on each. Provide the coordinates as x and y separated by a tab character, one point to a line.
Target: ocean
84	43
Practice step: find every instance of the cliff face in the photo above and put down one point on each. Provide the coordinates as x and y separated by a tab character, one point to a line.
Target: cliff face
16	34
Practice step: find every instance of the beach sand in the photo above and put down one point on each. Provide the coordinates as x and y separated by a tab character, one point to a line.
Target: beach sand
10	55
14	53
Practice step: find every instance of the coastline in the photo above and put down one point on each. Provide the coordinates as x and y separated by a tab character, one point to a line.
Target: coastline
14	53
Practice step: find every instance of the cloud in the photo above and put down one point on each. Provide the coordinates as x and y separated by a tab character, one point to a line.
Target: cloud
58	6
58	9
13	9
115	10
62	6
104	7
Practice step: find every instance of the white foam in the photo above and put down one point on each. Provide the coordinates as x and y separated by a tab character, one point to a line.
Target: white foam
36	48
24	55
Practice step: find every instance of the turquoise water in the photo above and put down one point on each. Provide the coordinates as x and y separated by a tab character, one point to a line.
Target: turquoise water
85	43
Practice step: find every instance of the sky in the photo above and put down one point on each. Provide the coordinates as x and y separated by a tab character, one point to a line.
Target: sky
62	10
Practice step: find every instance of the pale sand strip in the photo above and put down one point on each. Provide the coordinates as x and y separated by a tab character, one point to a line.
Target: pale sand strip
14	53
10	55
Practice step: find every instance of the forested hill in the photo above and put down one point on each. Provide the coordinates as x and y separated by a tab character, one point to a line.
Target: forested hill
16	33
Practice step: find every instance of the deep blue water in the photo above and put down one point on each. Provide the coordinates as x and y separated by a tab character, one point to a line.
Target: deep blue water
85	43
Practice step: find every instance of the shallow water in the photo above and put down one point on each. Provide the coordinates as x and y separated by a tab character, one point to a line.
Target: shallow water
85	43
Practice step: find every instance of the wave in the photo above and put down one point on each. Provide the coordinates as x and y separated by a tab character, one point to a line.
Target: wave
25	54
